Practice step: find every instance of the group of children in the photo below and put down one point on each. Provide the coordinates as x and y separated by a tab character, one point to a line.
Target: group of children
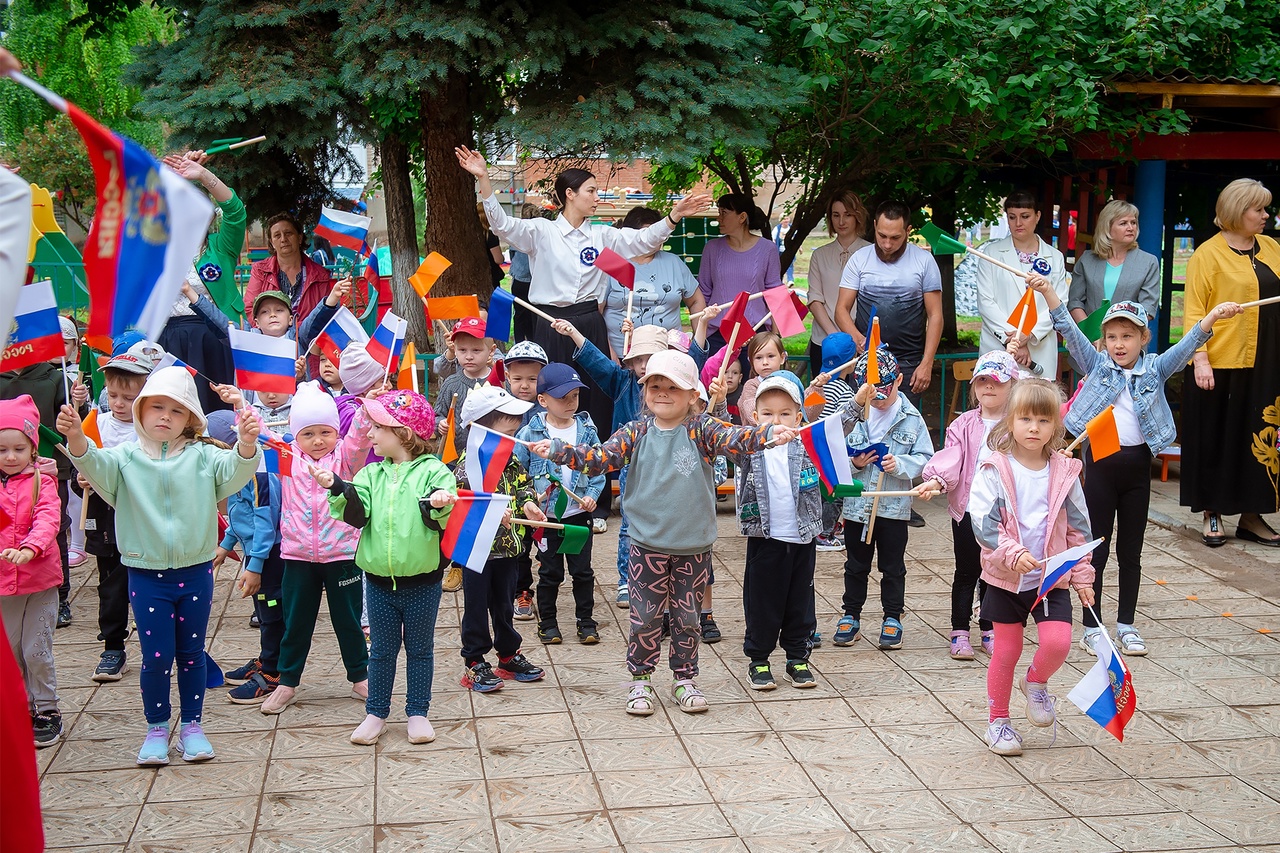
361	513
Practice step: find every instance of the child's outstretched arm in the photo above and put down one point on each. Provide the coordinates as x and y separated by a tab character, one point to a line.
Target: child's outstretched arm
612	378
592	459
738	442
1082	350
232	470
354	447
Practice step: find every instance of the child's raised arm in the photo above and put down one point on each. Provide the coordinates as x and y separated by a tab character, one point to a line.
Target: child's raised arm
592	459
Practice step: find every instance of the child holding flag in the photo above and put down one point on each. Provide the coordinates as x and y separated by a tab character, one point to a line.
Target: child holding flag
895	440
524	362
489	595
1118	486
319	550
558	390
165	490
474	352
399	505
951	470
30	570
837	350
1026	504
670	453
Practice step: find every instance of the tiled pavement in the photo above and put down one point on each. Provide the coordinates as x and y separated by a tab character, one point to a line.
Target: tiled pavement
885	754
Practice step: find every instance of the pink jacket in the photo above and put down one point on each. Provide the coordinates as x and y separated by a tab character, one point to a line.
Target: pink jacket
957	461
307	531
30	522
993	510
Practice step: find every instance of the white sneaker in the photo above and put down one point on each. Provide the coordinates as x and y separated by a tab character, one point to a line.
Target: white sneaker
598	525
421	730
1002	739
1090	639
1041	704
368	732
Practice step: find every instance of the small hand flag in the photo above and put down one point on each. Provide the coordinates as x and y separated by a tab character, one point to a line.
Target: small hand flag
1104	438
618	267
873	345
449	448
782	305
427	273
1024	317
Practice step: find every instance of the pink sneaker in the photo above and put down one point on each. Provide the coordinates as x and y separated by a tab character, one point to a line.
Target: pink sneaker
989	642
960	647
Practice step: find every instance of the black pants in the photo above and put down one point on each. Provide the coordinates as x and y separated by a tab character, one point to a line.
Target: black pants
268	605
777	598
113	600
524	566
968	575
64	527
1117	490
551	574
890	537
815	359
489	596
523	317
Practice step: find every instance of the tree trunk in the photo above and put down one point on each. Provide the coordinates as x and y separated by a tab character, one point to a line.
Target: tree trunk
402	236
453	229
944	216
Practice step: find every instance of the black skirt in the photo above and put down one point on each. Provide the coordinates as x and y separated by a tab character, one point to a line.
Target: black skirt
587	319
191	339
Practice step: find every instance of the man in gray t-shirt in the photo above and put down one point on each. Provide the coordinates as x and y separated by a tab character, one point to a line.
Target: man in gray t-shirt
903	283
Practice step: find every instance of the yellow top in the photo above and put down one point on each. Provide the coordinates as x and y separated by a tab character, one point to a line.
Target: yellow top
1217	274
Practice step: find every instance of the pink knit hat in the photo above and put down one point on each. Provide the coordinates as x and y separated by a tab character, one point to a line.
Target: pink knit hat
403	409
21	414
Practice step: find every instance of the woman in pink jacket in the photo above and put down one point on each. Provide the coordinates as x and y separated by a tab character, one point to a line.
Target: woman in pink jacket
1027	504
951	470
30	566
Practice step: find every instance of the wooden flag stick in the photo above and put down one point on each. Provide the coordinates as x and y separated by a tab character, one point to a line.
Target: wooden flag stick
753	296
1019	273
1255	303
84	506
766	318
875	505
536	310
626	339
528	522
733	338
1076	442
906	493
218	149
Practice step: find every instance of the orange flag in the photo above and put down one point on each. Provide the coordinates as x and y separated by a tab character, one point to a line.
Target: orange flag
427	273
873	344
815	398
449	450
407	378
453	307
1104	438
1024	317
90	427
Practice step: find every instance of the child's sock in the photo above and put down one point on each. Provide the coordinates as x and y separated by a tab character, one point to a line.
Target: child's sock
1051	654
1000	671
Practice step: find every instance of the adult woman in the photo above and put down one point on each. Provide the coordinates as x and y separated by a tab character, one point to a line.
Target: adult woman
847	222
564	281
523	317
492	249
663	283
738	261
1231	392
288	270
1115	269
1000	290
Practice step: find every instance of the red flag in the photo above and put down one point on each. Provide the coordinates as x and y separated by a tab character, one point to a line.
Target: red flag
618	267
736	318
21	831
801	308
1024	317
786	320
498	375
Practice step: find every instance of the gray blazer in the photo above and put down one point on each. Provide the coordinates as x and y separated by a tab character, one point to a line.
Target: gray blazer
1139	282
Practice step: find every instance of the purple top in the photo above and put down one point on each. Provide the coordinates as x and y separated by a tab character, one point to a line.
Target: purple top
724	273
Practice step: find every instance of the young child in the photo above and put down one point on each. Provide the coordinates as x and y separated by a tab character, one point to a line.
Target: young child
474	353
490	594
525	361
165	490
399	504
1117	488
253	521
330	376
75	535
765	354
671	500
1026	504
361	375
891	420
30	568
780	513
951	470
319	550
124	376
838	349
558	390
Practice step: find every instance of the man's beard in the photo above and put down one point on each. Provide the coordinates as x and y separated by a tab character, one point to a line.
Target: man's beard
891	259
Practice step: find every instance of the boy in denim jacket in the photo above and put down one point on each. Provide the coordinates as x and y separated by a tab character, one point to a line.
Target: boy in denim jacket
893	422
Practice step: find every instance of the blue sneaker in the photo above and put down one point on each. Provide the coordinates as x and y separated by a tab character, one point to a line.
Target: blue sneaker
815	640
891	634
195	746
846	631
155	749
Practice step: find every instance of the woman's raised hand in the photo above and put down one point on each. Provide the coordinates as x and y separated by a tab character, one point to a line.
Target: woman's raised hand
690	204
471	161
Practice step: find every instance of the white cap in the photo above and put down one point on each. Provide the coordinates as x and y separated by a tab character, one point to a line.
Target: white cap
69	331
780	383
488	399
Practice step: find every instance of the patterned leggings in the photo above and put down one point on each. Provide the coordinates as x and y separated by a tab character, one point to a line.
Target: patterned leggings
661	582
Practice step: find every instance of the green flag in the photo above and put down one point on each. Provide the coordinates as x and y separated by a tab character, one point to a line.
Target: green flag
852	490
941	242
48	441
573	538
561	504
90	373
1092	325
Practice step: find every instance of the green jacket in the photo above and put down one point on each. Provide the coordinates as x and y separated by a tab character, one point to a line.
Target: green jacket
216	265
166	507
394	540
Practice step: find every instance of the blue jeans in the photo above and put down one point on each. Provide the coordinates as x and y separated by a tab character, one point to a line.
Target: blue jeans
409	612
171	608
624	531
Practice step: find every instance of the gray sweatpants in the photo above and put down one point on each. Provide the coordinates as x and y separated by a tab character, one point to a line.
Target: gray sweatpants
29	621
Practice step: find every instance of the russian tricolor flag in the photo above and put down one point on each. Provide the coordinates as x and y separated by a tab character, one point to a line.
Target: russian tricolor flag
264	363
277	457
348	230
171	360
342	330
1106	693
473	524
825	444
36	334
488	453
1060	565
388	339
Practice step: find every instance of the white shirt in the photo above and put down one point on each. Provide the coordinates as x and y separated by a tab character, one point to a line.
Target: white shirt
782	507
879	420
561	257
1032	489
114	432
998	294
15	236
826	267
569	435
1126	418
984	450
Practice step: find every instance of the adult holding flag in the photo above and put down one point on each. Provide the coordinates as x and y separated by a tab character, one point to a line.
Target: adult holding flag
999	291
738	261
291	272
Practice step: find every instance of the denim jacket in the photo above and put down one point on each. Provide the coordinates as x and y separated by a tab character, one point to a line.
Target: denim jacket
1105	381
910	445
582	485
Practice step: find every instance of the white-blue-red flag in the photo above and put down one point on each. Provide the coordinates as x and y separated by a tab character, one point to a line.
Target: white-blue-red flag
824	441
473	524
348	230
342	330
1106	693
171	360
264	363
488	453
1060	565
36	334
277	455
388	340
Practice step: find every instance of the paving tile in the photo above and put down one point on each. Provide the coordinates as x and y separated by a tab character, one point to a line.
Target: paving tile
734	748
794	711
309	774
1215	723
979	802
1157	831
536	728
1066	764
190	783
782	817
1056	835
533	759
1248	757
835	841
669	824
307	840
83	826
69	791
311	811
662	787
864	810
474	835
213	817
405	801
574	792
636	754
780	780
576	831
925	840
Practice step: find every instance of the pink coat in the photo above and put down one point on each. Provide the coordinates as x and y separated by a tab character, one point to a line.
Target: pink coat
30	524
957	461
307	531
995	523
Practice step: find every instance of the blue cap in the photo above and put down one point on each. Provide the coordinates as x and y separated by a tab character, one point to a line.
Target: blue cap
121	343
558	379
222	426
837	349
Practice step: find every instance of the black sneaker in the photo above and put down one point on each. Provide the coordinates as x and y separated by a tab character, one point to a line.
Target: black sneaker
518	668
799	674
588	635
550	635
47	727
64	618
111	666
480	678
253	621
916	520
241	674
710	632
761	675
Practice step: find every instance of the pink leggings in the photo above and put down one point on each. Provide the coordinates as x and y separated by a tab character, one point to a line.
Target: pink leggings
1055	642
